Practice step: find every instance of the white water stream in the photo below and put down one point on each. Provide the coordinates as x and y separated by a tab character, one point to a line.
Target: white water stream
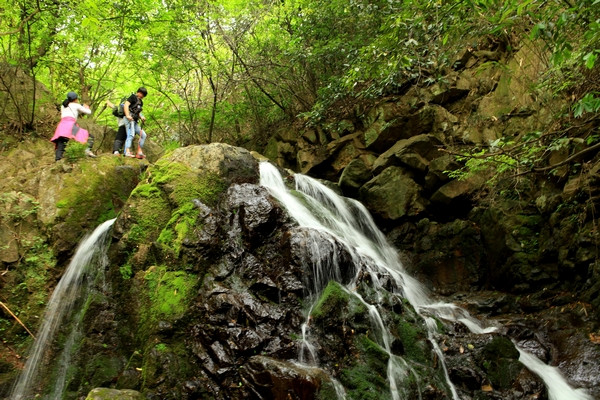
90	254
334	220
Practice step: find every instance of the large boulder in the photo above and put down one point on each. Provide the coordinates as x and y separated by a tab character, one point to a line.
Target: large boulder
354	176
281	380
232	164
114	394
392	195
432	119
415	152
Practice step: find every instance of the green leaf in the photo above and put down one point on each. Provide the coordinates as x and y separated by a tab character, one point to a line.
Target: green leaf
590	59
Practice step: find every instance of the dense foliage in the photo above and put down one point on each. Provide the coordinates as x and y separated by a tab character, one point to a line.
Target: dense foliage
227	70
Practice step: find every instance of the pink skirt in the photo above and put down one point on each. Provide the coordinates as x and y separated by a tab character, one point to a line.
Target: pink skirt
65	129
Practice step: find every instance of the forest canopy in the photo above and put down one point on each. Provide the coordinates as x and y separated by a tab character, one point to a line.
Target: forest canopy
229	70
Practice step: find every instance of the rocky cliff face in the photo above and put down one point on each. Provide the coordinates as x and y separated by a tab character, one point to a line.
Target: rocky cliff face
519	235
205	295
47	207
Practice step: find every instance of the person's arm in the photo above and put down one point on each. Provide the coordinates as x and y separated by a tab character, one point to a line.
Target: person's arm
83	109
126	110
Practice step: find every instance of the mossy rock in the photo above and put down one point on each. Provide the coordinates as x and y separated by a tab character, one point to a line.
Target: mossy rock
229	163
169	292
162	206
103	369
365	377
335	300
91	192
114	394
501	362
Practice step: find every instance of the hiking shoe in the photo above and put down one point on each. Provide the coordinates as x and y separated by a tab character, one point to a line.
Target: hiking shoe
116	153
128	153
89	153
140	155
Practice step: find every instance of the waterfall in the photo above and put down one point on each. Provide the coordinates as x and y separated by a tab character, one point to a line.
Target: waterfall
347	222
89	257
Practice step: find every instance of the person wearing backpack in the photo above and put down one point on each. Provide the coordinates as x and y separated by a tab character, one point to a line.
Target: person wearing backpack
69	129
132	110
121	135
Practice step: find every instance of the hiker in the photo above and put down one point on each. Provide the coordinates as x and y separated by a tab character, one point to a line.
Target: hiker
133	113
121	135
69	129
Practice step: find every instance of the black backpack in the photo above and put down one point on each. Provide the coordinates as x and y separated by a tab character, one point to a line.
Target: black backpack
119	111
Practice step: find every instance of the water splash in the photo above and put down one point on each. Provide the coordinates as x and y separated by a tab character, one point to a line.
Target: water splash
347	221
60	306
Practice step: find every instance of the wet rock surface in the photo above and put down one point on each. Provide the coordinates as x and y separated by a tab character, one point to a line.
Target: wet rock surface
207	291
552	325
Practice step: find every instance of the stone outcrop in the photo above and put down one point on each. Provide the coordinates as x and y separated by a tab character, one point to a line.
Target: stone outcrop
46	209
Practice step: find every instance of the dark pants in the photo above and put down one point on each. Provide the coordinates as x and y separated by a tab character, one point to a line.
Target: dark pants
120	139
60	145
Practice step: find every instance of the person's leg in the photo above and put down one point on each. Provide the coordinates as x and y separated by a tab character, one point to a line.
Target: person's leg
140	153
119	139
130	133
60	144
90	143
142	139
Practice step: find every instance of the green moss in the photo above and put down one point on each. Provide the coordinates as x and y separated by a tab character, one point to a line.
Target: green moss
102	370
161	347
177	228
149	216
376	357
106	186
327	392
146	190
366	374
500	361
184	185
412	340
333	299
29	296
126	271
74	151
169	293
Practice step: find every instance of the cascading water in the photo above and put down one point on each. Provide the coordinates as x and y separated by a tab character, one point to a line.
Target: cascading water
89	258
333	220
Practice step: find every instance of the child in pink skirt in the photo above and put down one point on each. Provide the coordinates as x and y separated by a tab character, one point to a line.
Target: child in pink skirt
68	129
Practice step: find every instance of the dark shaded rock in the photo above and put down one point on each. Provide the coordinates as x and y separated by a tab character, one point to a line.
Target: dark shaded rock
354	176
447	256
432	119
323	258
327	161
268	378
449	96
456	191
415	153
500	361
437	172
255	212
393	194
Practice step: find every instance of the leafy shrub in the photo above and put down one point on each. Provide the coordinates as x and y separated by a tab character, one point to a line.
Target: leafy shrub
75	151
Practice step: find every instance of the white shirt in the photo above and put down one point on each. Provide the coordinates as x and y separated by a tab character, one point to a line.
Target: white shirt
73	110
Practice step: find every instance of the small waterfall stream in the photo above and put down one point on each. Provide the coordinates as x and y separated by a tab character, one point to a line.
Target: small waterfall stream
89	258
332	220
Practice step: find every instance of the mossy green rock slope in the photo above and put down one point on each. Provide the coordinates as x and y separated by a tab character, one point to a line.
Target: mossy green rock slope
46	209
